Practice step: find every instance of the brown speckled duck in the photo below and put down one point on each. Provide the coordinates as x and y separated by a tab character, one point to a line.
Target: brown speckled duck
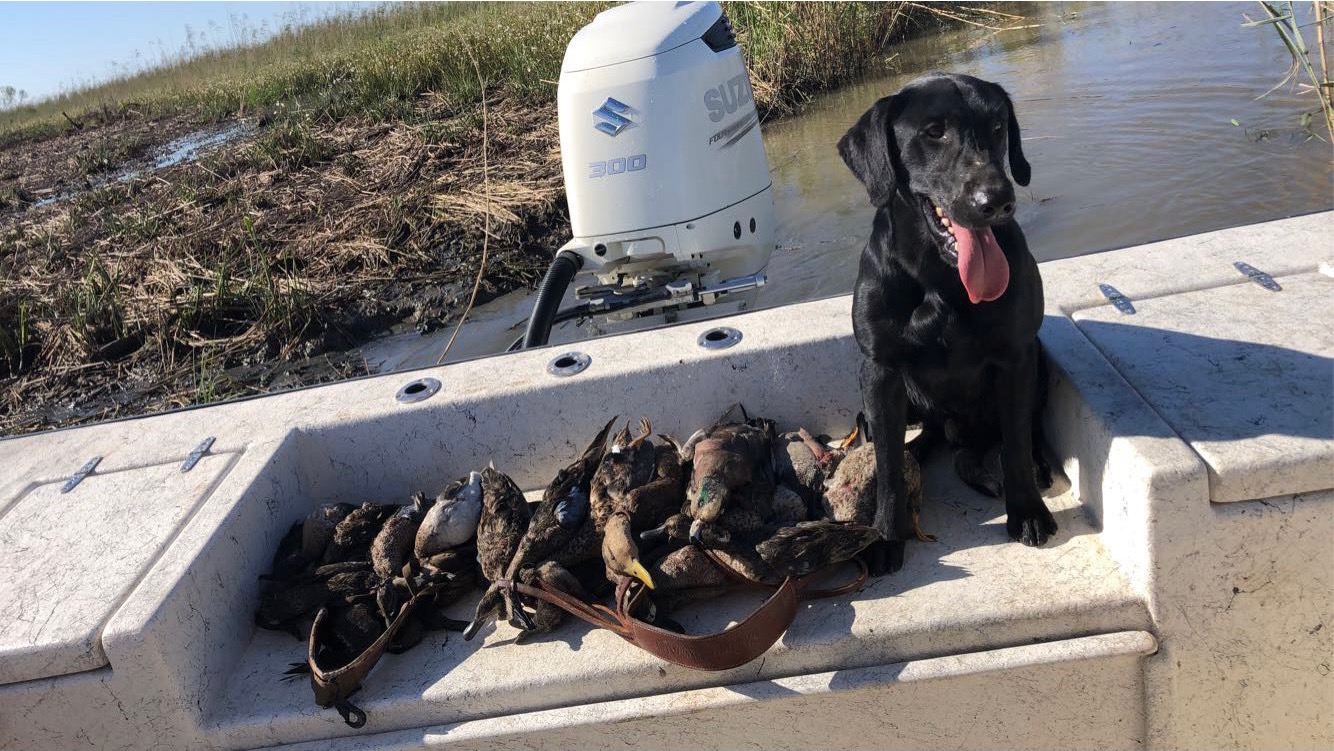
353	535
505	517
318	528
687	575
391	550
850	493
731	480
392	547
797	466
807	547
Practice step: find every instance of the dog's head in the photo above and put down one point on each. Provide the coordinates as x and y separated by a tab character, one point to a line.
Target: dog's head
941	143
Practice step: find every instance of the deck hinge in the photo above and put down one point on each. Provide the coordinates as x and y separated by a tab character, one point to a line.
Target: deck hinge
196	454
1119	300
1257	276
77	477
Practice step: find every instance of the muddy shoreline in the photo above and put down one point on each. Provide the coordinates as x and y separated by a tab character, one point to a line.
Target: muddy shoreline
259	263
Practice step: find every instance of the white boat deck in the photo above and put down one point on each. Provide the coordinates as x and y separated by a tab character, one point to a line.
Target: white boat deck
970	591
1193	553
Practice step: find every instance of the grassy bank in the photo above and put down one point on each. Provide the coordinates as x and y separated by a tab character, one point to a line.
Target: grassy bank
352	205
375	64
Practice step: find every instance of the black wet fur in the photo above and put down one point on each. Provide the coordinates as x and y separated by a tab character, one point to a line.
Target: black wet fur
971	372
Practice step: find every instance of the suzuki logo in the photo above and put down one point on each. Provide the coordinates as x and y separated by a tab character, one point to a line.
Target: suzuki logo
726	97
614	117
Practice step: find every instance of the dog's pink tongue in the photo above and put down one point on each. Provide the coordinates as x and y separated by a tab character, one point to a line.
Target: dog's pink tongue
982	266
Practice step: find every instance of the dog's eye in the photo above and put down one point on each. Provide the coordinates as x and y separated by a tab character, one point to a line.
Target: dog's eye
997	129
935	131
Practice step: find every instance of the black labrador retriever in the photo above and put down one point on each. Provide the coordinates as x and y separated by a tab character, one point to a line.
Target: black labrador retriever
948	299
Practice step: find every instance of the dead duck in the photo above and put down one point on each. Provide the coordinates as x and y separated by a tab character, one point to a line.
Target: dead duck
287	559
392	547
351	630
290	605
807	547
787	506
849	494
796	550
641	494
391	551
620	554
731	480
546	617
452	521
684	576
675	532
797	466
626	464
562	527
318	528
353	535
804	463
646	482
505	517
463	576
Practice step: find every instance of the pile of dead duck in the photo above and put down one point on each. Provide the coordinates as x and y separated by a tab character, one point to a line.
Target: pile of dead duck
738	502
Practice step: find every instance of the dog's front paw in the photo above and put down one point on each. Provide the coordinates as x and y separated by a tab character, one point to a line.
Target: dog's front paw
883	557
1031	525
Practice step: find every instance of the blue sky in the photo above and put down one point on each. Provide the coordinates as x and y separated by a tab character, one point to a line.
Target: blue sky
46	47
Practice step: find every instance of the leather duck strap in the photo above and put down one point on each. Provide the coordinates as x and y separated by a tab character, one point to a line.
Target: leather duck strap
333	687
722	650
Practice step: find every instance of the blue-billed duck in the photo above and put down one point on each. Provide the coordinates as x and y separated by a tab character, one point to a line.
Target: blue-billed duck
562	527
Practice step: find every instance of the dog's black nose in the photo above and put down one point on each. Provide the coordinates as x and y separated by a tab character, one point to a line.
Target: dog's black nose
993	205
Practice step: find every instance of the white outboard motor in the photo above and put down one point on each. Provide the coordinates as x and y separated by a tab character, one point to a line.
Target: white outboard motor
670	199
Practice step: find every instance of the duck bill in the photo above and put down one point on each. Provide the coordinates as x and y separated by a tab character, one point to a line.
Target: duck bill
637	570
487	610
696	533
472	628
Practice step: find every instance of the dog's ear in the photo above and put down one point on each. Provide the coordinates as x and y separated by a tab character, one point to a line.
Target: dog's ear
867	150
1019	167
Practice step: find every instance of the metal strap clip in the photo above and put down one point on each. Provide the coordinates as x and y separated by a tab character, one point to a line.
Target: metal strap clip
1258	276
1119	300
196	454
77	477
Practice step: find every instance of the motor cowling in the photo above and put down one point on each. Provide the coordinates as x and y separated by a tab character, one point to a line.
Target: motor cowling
664	165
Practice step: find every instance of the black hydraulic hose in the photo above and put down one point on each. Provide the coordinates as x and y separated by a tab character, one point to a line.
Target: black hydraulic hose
549	295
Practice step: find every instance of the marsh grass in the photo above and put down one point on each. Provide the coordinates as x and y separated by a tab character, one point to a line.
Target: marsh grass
372	64
375	64
1312	64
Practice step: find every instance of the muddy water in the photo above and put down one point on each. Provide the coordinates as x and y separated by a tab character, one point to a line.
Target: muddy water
1127	113
184	149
